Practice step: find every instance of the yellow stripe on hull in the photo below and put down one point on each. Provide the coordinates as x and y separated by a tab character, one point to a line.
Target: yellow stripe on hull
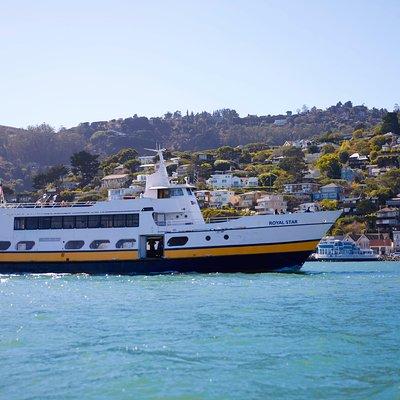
87	256
70	256
242	250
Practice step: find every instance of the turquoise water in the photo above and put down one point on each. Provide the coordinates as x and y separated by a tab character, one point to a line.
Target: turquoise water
332	332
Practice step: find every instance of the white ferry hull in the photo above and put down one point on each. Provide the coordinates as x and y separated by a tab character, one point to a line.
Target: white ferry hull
248	244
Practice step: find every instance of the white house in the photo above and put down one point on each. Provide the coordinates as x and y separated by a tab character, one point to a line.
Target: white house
224	181
300	188
220	198
252	181
145	160
227	181
270	204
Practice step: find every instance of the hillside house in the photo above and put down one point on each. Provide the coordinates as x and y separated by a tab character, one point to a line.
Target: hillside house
358	161
226	181
247	200
115	181
271	204
300	188
328	192
388	219
349	174
220	198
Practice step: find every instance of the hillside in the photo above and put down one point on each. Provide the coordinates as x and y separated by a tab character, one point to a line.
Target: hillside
25	151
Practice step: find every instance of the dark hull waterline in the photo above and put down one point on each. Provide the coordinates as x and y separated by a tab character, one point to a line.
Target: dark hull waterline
254	263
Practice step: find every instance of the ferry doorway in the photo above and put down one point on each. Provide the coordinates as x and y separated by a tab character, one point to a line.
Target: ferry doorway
151	246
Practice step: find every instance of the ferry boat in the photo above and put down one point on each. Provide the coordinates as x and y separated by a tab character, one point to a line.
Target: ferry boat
332	249
162	231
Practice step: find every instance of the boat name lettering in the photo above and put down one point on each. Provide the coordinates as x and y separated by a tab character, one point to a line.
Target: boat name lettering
287	222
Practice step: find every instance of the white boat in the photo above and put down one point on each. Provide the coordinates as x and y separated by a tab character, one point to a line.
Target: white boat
163	231
332	249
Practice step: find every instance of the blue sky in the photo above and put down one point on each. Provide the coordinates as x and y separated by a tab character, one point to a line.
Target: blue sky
69	61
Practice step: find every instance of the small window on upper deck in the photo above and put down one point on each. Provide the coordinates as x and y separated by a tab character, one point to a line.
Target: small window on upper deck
106	221
19	223
4	246
44	222
119	221
68	222
81	222
94	221
32	223
177	241
174	192
189	191
56	223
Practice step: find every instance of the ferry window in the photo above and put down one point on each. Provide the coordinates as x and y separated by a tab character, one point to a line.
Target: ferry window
25	245
132	220
176	192
163	193
94	221
208	238
177	241
226	237
56	223
44	222
99	244
4	246
74	244
31	223
19	223
125	244
189	191
81	222
68	222
106	221
119	221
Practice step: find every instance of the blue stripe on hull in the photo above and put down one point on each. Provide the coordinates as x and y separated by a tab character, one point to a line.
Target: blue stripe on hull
244	263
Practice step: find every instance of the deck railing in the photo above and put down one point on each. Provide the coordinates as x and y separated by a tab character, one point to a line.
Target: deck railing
47	205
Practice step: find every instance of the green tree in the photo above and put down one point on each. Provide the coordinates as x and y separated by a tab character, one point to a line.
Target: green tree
329	165
344	156
85	166
390	123
328	149
267	179
132	165
327	204
222	165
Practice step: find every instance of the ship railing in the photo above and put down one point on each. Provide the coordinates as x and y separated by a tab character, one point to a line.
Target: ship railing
48	205
215	220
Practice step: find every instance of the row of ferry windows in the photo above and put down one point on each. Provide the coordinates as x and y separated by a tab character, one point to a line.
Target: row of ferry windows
73	244
77	222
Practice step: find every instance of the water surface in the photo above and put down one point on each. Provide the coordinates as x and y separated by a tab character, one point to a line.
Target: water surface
332	332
